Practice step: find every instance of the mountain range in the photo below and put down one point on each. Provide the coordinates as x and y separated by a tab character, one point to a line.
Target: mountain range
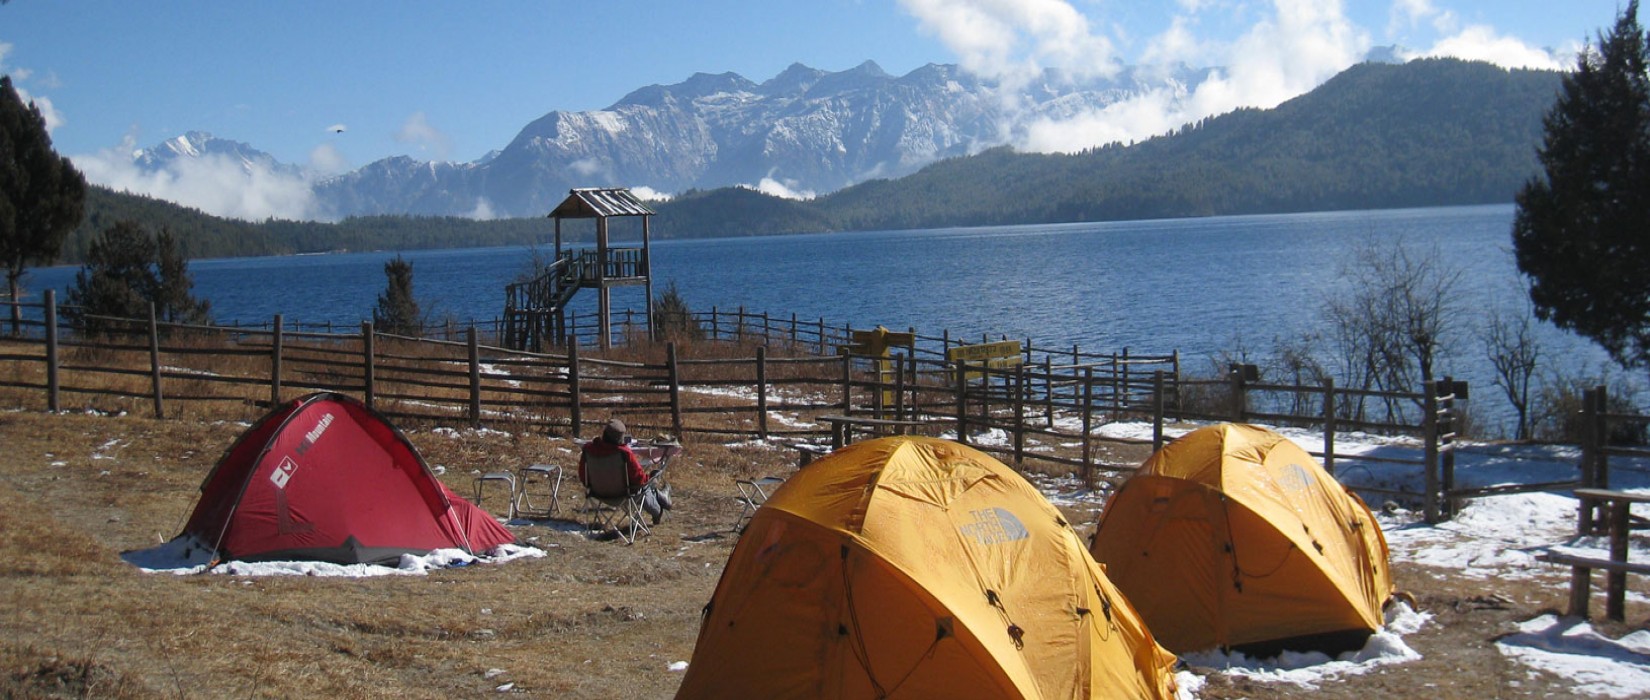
1424	133
804	131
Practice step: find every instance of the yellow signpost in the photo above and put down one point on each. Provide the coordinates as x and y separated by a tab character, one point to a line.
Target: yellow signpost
876	343
1003	353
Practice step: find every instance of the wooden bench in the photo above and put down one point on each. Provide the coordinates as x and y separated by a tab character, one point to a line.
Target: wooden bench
1617	567
842	426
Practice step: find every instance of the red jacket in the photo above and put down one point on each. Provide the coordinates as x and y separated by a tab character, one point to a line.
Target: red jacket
602	448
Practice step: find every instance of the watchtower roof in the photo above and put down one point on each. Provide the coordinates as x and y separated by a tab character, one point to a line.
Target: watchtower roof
587	203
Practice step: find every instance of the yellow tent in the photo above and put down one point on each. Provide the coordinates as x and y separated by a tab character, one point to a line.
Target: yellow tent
911	567
1232	536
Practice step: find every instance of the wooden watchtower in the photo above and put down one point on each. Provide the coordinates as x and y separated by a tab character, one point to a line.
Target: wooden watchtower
535	311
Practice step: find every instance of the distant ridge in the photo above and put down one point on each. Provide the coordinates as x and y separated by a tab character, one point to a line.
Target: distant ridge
1424	133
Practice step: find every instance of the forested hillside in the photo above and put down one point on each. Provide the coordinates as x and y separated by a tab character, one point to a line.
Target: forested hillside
207	236
1425	133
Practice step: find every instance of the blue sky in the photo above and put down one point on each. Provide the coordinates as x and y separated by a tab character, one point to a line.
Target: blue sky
452	81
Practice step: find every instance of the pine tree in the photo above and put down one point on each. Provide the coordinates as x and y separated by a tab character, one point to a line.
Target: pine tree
41	193
126	270
112	283
672	320
1582	230
397	310
173	302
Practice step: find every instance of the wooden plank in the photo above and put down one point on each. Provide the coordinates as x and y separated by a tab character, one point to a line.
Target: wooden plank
1612	495
984	351
1586	562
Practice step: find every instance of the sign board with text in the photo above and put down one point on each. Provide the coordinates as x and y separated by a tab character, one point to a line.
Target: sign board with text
998	355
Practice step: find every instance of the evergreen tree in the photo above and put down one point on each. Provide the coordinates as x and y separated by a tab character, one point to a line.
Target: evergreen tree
41	193
126	270
672	320
1582	231
172	299
397	310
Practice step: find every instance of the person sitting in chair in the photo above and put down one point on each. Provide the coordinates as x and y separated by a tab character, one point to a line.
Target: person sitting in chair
613	441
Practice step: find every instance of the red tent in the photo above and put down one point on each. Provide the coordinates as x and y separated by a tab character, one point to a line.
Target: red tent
325	478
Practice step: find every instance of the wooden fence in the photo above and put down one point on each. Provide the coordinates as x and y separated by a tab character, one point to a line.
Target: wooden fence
1044	411
1605	434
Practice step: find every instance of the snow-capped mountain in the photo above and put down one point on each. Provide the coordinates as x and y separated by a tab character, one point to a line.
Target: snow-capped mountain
201	145
804	131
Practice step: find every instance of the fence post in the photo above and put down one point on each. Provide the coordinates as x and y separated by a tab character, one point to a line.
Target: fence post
1429	428
1123	398
154	361
1088	425
822	335
276	345
1449	397
475	376
1241	375
899	386
1019	416
1158	409
52	388
1178	399
1601	411
1048	392
762	391
368	371
739	328
847	383
675	370
962	402
1329	425
575	419
1590	446
715	325
1115	393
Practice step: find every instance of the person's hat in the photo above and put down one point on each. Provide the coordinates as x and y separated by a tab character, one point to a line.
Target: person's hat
614	432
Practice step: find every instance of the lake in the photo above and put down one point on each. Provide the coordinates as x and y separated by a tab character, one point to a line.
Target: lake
1201	286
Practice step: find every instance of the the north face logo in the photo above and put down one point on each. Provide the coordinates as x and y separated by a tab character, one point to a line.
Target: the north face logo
994	526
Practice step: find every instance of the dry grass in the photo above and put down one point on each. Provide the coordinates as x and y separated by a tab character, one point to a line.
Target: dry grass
591	619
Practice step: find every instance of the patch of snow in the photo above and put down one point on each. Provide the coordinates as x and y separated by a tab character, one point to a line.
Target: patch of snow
1309	669
1570	648
181	556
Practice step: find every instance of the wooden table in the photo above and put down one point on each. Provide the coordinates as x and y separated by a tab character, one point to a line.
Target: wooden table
842	425
1617	567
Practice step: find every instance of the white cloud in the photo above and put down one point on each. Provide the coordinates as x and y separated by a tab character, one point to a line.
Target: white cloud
483	211
214	184
1290	50
326	159
648	194
1407	15
785	189
1482	43
587	167
1013	41
418	131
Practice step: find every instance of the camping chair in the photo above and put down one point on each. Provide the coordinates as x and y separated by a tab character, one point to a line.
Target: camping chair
608	502
505	479
752	494
538	490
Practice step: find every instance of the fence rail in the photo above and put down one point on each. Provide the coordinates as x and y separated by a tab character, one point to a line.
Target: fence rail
1050	397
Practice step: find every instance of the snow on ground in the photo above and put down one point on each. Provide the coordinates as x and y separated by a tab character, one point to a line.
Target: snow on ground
176	557
1495	537
1568	647
1307	670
